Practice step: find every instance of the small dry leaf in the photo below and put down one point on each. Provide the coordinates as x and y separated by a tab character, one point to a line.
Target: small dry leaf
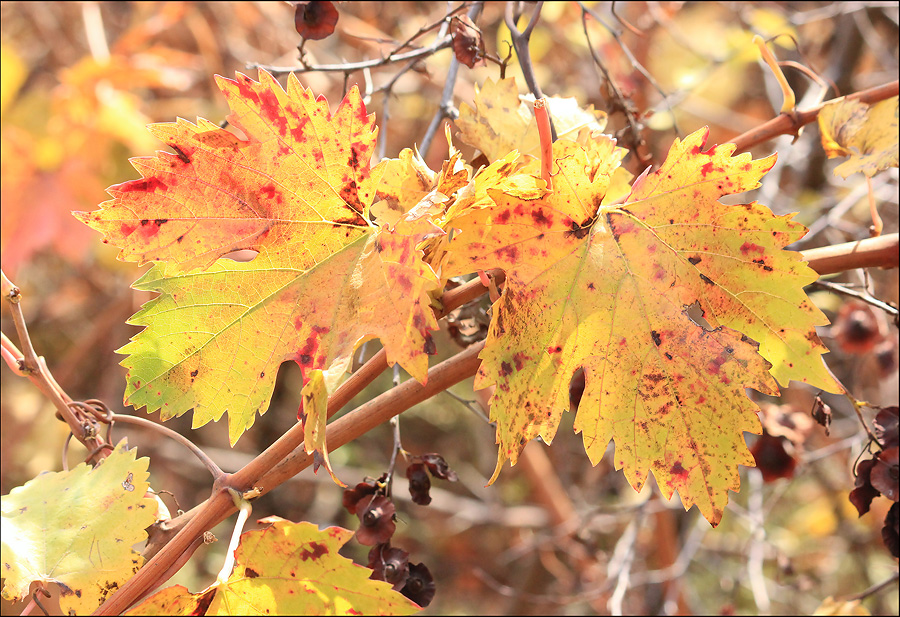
468	44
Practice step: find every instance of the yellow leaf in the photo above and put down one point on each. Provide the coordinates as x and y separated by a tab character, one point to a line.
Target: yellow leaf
610	288
503	121
868	135
832	608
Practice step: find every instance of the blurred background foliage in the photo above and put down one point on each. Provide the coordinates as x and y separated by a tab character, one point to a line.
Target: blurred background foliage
81	80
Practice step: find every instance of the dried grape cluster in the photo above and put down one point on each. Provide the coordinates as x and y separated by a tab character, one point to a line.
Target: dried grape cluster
370	501
879	476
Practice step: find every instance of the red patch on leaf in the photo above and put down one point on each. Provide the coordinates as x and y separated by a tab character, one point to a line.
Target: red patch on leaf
147	185
749	247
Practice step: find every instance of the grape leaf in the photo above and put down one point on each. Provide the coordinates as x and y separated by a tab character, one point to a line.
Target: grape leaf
215	339
608	289
866	134
503	121
298	185
76	528
286	569
297	190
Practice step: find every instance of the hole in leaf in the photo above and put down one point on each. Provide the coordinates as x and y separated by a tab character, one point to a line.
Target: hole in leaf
695	314
242	256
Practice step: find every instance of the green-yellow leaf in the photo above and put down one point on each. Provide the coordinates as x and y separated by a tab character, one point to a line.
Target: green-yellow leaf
297	189
75	529
215	339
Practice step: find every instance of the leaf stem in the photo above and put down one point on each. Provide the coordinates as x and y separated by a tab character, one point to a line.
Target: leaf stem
542	116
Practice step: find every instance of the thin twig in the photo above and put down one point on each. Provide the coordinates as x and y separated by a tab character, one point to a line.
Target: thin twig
876	588
859	295
446	108
520	43
187	443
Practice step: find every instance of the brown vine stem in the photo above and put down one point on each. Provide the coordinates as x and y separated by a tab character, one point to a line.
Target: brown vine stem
880	252
32	366
286	457
790	124
343	430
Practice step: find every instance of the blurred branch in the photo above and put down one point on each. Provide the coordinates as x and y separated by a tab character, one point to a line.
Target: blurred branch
445	108
865	297
442	42
634	61
30	365
520	43
790	124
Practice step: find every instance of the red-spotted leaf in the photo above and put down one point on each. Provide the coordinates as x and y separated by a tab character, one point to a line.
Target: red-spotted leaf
286	569
610	289
298	185
296	190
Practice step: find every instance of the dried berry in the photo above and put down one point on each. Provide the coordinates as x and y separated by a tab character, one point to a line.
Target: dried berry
886	473
315	19
468	44
890	533
858	328
886	427
419	484
439	467
419	586
864	493
821	413
376	517
352	496
772	459
389	564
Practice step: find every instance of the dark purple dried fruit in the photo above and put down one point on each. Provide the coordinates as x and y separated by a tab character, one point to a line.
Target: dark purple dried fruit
390	565
419	586
419	484
376	517
316	19
886	473
772	459
864	493
886	427
439	467
352	496
890	533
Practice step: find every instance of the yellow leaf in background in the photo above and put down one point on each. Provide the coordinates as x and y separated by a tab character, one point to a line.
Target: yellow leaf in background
76	528
831	607
503	121
866	134
12	74
287	569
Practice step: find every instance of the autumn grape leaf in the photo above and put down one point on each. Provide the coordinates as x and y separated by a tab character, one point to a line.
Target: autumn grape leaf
502	121
287	569
325	279
608	289
866	134
75	529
